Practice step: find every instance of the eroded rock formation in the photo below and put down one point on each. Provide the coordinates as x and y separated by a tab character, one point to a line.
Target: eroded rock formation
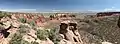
70	32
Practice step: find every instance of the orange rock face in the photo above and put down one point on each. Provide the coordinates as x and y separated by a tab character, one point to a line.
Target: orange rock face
40	20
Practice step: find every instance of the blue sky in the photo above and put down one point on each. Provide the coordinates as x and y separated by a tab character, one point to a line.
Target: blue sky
64	5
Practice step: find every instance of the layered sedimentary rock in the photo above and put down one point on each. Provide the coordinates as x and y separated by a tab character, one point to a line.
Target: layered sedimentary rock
70	32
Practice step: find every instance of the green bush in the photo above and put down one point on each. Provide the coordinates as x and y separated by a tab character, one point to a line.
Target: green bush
42	34
23	26
4	15
32	23
23	29
1	15
53	35
23	20
24	42
17	39
34	42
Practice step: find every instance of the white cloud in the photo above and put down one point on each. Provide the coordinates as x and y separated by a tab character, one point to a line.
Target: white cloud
108	9
19	10
55	10
111	9
34	10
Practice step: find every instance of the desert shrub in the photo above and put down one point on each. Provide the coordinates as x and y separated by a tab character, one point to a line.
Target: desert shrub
1	16
23	20
24	42
23	29
53	35
32	23
17	37
4	15
51	16
34	42
42	34
23	26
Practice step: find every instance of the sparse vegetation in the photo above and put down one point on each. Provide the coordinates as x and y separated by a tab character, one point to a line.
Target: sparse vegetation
22	20
34	42
42	34
24	29
52	35
32	23
17	37
4	15
92	30
106	29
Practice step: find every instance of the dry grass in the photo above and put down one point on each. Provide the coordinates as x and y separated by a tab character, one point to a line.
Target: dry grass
106	29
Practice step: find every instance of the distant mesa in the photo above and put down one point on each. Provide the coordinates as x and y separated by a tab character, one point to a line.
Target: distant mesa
100	14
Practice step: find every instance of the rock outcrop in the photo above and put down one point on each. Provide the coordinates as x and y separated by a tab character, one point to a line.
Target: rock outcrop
70	32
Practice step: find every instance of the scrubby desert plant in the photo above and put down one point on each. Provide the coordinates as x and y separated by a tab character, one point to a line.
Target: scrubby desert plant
4	15
17	37
53	35
24	42
23	20
42	34
23	26
34	42
23	29
32	23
